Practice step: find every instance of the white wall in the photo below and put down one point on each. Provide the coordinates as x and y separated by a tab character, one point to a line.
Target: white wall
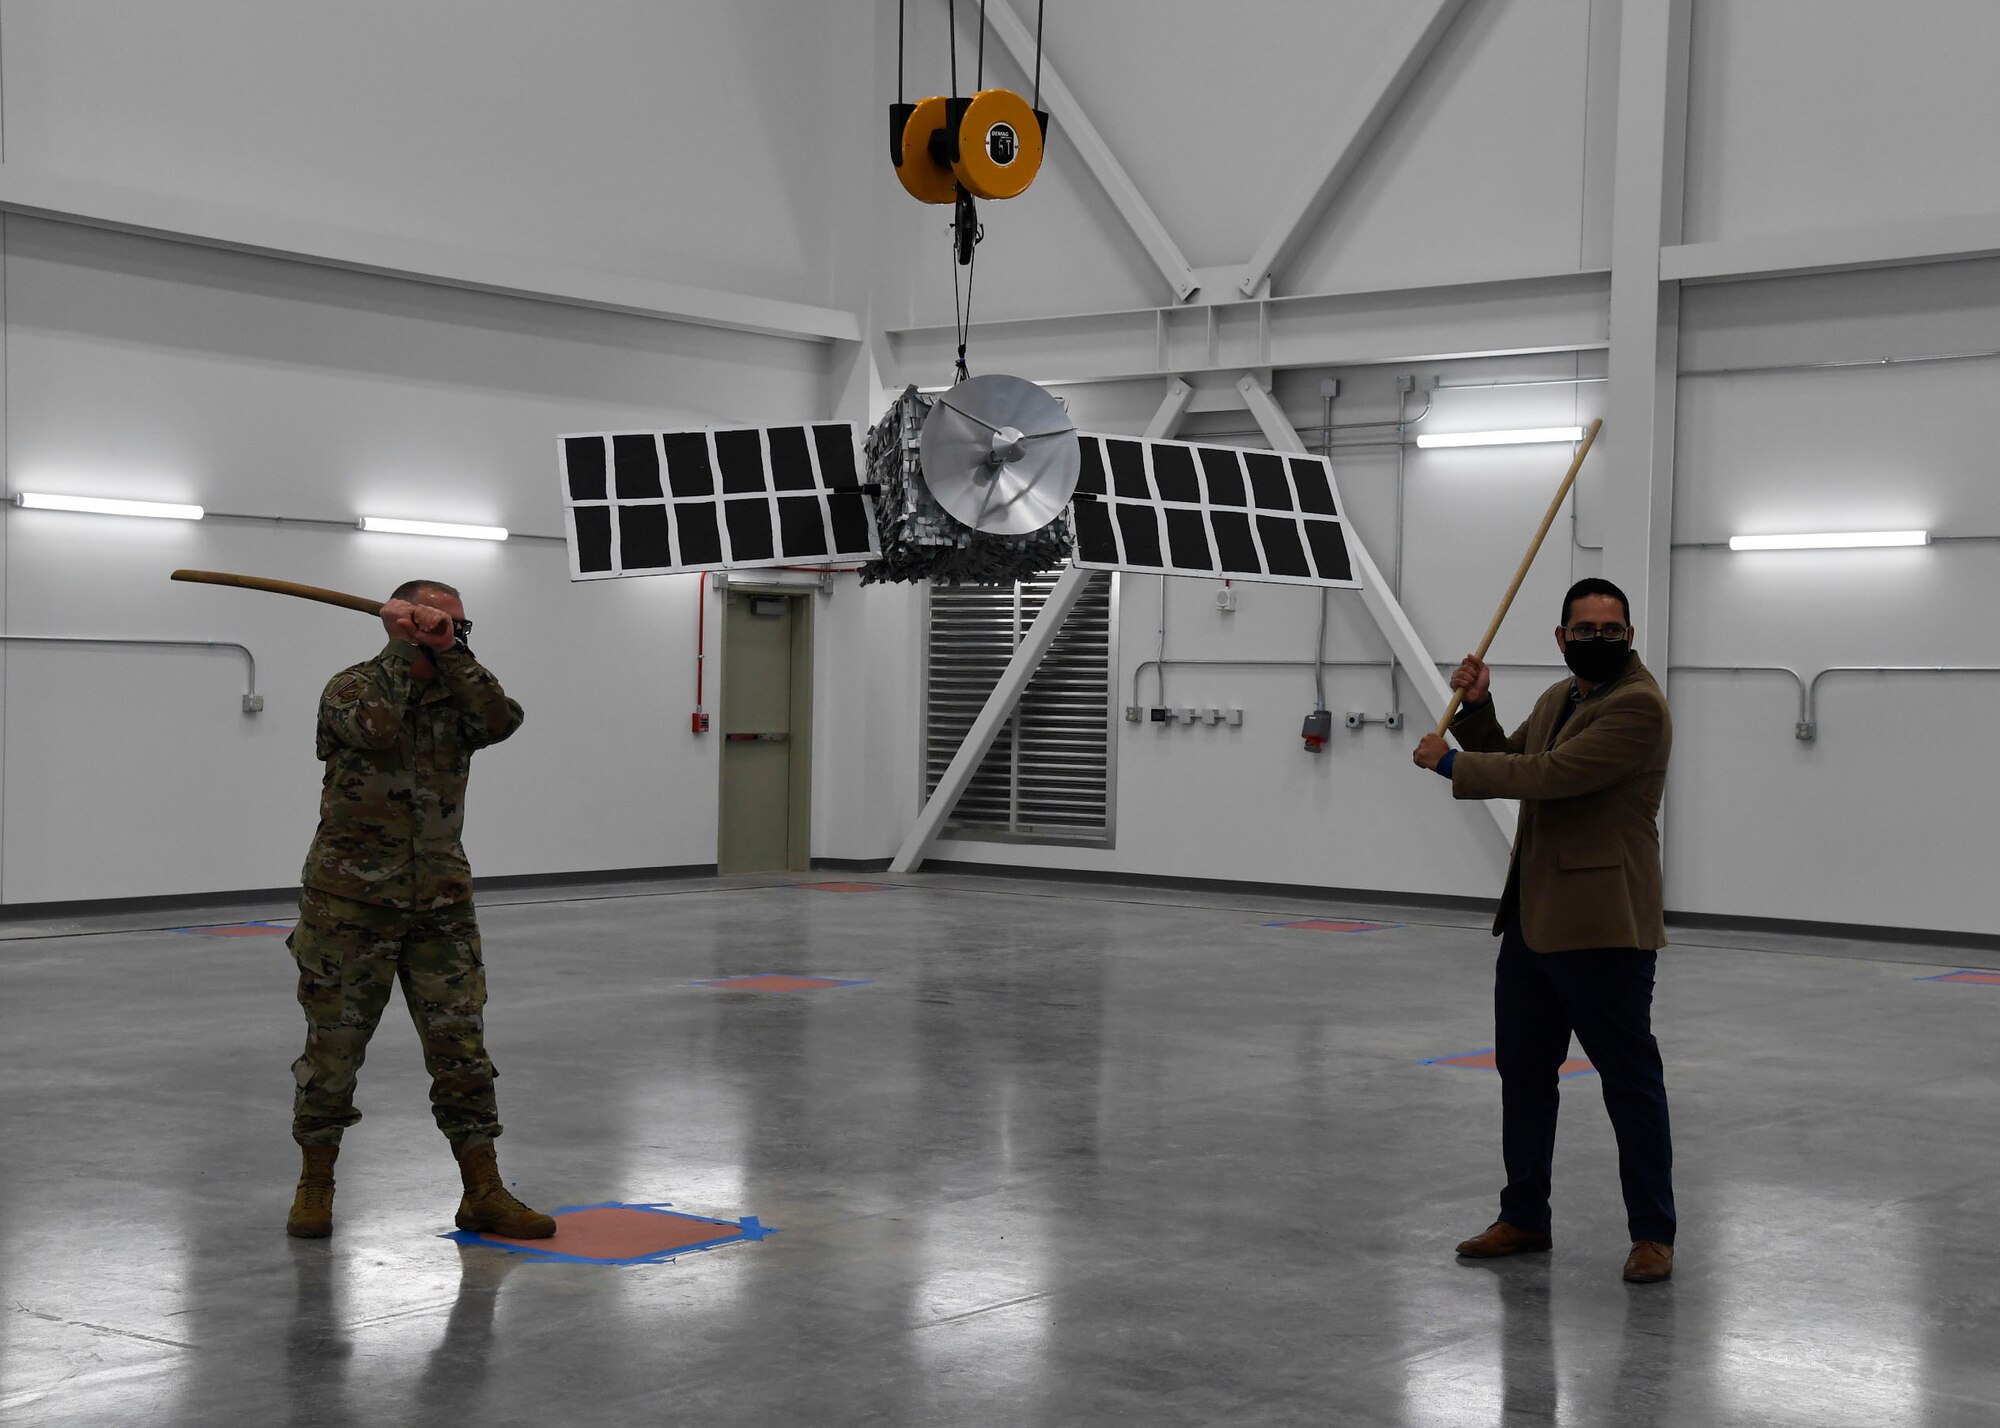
711	146
1251	803
687	142
1494	164
1886	818
1809	114
156	370
1803	116
139	367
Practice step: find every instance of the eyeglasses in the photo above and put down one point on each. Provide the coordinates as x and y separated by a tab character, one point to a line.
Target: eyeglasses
1614	632
461	628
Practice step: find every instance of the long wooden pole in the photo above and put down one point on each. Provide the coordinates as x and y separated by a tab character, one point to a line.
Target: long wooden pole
361	603
1534	549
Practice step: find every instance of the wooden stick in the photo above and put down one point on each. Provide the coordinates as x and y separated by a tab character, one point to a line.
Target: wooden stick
1534	548
361	603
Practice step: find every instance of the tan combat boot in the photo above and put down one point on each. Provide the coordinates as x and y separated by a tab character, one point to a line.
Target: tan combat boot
312	1202
487	1207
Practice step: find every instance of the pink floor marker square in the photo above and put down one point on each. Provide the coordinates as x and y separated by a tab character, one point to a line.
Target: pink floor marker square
777	982
623	1235
1483	1061
1977	979
1324	924
617	1234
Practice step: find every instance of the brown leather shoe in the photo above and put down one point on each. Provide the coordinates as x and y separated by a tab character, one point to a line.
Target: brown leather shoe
1649	1263
1501	1238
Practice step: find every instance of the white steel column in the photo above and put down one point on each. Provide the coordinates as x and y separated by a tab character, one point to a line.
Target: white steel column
1638	502
1375	592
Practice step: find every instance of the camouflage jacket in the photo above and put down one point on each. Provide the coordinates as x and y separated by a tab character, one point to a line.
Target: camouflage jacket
397	751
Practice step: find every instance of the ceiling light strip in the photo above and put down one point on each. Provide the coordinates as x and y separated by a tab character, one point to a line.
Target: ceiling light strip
1524	436
1834	540
107	506
390	526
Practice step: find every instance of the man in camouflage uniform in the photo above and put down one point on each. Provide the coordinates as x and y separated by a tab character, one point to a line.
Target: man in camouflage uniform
388	898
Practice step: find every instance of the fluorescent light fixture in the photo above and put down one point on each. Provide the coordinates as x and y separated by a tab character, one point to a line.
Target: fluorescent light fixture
105	506
1837	540
1524	437
433	528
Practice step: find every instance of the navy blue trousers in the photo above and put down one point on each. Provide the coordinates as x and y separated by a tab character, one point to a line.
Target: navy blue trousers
1604	996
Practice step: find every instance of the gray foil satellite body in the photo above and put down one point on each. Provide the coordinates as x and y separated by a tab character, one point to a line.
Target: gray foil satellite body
1028	491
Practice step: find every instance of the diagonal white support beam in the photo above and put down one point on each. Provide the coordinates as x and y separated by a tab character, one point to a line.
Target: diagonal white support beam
1067	120
1375	592
1173	409
986	728
1373	103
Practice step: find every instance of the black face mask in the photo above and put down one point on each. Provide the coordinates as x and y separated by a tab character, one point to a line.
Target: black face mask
1597	661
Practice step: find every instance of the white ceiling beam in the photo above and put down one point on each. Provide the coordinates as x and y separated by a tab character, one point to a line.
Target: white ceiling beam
1882	245
42	194
1067	121
1383	606
1558	312
1348	143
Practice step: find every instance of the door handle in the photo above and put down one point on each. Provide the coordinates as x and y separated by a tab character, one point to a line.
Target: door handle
757	738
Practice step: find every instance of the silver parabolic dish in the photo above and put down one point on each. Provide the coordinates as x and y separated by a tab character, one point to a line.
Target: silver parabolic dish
1001	455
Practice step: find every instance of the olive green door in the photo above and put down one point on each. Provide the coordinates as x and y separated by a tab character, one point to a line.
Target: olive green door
766	732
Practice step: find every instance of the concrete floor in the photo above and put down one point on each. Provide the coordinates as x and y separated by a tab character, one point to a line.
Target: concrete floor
1073	1155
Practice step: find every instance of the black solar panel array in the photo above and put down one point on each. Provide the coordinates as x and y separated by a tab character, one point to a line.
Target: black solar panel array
1182	508
658	503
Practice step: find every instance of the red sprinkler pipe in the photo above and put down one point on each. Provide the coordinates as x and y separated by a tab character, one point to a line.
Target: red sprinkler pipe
700	650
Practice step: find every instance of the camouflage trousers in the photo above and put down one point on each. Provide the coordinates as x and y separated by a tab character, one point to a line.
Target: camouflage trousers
349	955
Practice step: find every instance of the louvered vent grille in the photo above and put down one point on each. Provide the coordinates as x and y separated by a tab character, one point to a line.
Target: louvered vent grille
1048	774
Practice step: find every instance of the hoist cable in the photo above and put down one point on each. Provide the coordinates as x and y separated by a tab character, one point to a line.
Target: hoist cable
1039	4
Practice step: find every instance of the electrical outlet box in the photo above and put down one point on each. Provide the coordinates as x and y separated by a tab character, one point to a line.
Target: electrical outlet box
1319	724
1133	713
1189	716
1235	718
1211	716
253	704
1160	716
1355	719
1225	598
1392	721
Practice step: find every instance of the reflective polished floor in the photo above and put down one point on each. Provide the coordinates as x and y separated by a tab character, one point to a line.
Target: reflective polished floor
1070	1154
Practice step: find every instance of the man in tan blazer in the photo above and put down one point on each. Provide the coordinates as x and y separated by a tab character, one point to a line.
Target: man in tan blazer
1580	921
